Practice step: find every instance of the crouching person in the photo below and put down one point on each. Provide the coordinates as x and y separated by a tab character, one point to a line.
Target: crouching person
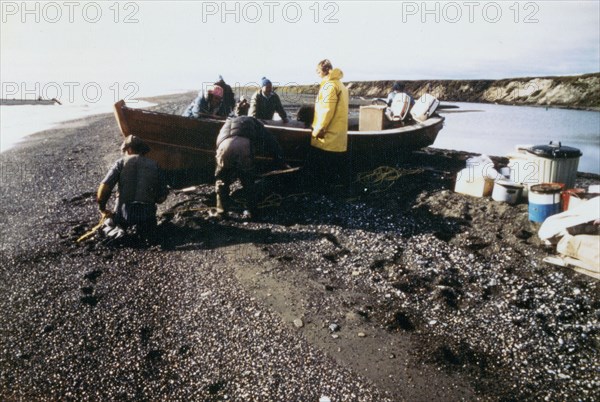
236	144
141	186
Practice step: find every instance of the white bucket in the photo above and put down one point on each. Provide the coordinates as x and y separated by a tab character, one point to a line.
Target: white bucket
507	191
538	164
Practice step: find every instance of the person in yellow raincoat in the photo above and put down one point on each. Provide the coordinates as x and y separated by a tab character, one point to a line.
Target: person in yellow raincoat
328	161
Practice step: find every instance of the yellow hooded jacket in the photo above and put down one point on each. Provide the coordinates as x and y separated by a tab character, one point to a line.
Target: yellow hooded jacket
331	113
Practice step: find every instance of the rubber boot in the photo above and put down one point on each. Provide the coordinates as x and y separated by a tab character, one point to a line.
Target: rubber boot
220	208
222	191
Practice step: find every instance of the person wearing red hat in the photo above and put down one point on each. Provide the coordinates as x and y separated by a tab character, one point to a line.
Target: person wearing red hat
209	102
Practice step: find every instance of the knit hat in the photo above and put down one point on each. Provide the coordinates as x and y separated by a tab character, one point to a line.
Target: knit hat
217	91
137	145
264	82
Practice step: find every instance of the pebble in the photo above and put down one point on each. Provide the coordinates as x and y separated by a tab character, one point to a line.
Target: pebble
298	323
361	335
352	316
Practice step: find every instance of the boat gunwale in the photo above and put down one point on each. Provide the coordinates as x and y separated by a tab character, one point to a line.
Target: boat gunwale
430	122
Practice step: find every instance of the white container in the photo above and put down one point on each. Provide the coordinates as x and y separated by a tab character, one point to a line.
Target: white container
507	191
556	163
400	106
538	164
471	184
522	171
424	107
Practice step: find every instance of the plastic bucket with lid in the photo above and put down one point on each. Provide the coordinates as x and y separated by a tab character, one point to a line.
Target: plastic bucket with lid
555	163
507	191
544	201
536	164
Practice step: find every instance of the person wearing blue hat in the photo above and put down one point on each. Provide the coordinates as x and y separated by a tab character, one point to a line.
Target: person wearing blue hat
265	102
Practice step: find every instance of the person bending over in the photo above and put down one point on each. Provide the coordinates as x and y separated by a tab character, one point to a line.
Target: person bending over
236	145
141	186
209	102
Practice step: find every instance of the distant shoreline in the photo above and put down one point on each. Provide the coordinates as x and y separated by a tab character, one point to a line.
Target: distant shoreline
22	102
569	92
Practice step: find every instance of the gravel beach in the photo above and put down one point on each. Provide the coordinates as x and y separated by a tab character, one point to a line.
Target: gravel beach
401	291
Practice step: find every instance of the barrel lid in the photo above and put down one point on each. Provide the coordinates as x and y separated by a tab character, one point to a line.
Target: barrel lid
509	184
547	188
554	150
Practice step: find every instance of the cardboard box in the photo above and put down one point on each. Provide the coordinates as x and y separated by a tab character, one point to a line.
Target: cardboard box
467	183
372	118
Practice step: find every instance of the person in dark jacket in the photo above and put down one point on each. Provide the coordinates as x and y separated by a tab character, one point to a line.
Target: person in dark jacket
210	102
236	146
228	96
242	107
265	102
141	186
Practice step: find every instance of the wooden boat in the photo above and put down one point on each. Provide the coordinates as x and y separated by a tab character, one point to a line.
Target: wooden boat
183	143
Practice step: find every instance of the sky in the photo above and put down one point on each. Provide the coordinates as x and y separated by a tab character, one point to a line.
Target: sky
120	49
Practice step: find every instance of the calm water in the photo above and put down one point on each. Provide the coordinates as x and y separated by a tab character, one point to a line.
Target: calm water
17	122
495	130
474	127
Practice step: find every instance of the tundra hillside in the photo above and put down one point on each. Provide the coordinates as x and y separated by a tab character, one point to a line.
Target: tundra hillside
581	92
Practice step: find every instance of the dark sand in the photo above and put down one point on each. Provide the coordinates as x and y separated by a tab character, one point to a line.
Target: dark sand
436	295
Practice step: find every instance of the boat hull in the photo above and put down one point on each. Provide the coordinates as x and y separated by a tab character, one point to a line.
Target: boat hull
183	143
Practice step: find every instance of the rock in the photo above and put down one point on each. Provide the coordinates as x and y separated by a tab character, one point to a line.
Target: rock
334	327
362	335
352	316
298	323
